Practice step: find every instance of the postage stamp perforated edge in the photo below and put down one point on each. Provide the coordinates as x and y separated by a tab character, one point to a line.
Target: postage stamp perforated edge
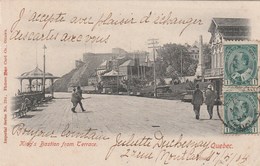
241	112
243	88
236	52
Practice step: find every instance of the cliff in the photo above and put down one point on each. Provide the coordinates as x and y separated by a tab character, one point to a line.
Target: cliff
80	75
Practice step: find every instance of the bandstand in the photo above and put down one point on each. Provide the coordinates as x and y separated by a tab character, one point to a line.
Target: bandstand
36	75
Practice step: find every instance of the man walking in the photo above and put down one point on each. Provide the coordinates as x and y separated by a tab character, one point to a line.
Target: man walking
197	101
79	94
76	99
210	100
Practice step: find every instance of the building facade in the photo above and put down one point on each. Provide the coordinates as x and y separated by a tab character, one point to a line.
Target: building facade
194	51
122	67
224	29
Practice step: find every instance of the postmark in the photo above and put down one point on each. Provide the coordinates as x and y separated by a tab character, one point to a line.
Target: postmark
240	62
241	113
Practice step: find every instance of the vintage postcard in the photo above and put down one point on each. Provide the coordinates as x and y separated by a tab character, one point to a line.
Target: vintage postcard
129	83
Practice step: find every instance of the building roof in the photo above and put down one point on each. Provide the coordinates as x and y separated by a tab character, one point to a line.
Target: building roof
195	44
231	21
111	73
94	74
228	22
121	57
222	25
104	64
36	74
128	63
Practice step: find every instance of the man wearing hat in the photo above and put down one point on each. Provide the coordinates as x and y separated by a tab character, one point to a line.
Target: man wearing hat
80	97
210	100
197	101
76	98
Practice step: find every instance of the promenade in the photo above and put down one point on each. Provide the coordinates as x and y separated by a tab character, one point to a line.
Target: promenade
127	114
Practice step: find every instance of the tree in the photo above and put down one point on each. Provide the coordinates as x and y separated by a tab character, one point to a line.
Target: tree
176	58
172	73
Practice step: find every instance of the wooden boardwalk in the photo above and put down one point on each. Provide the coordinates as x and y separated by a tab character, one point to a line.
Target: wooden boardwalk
127	114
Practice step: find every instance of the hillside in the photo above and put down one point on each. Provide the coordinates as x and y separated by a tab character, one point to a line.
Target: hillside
79	76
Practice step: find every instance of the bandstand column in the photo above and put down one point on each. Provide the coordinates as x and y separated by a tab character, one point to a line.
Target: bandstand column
21	85
30	85
52	89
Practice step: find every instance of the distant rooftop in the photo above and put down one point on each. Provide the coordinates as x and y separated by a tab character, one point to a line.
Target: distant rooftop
104	64
111	73
128	63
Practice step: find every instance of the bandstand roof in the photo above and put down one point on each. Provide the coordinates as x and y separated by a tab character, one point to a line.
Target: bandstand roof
36	74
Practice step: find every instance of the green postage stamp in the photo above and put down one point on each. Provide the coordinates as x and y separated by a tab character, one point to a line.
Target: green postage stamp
241	65
241	112
241	94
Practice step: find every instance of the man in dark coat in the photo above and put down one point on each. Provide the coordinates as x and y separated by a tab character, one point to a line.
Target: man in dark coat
79	93
210	100
197	101
76	99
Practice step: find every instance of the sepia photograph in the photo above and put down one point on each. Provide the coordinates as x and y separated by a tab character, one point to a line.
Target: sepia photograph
130	83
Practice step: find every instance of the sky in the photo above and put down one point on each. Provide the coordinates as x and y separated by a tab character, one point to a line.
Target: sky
61	56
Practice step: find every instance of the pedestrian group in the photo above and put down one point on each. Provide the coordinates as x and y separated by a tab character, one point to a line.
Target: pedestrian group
198	99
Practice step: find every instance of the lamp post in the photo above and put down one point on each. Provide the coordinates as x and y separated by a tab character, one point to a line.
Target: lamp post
154	44
181	66
43	84
154	74
117	80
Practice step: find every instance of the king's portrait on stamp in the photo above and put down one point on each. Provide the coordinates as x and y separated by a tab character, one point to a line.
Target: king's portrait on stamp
241	66
241	112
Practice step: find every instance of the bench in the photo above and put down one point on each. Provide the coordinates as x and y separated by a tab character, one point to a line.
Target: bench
26	106
32	106
47	99
21	111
